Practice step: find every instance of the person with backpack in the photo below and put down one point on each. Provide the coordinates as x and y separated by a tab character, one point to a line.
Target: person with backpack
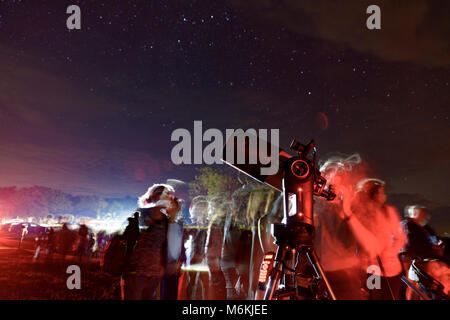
113	258
147	262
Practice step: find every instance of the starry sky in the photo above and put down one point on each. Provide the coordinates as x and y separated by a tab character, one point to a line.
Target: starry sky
91	111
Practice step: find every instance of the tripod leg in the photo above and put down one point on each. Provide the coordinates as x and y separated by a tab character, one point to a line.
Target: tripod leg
274	277
311	254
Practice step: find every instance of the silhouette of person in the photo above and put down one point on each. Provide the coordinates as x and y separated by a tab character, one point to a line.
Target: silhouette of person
83	241
131	233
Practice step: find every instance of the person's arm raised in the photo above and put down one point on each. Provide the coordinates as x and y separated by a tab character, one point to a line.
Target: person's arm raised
365	237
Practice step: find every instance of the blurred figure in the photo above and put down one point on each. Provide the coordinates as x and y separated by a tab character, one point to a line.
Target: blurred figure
194	281
83	233
169	284
424	247
238	239
213	248
421	240
131	233
383	221
241	252
101	242
23	233
91	245
198	211
40	242
339	235
51	243
65	242
113	258
148	261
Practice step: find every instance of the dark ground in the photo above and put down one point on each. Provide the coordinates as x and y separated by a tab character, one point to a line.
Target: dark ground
22	278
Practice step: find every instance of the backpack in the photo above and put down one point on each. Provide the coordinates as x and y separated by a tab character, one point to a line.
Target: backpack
114	258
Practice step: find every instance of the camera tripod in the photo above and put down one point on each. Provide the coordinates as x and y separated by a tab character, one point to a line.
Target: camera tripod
294	236
299	180
292	249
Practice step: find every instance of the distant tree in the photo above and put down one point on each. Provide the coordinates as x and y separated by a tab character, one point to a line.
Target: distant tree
58	202
7	195
29	202
213	183
88	205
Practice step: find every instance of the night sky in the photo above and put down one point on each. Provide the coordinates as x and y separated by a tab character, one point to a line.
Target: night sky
91	111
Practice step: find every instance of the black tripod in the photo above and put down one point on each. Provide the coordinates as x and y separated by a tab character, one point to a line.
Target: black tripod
291	253
296	271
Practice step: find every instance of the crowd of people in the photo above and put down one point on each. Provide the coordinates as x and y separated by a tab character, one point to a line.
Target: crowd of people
208	258
217	255
359	233
57	243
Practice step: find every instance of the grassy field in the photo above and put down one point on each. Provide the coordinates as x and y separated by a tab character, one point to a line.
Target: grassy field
23	278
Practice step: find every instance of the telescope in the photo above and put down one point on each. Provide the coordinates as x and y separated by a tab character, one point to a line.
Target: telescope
297	177
299	180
